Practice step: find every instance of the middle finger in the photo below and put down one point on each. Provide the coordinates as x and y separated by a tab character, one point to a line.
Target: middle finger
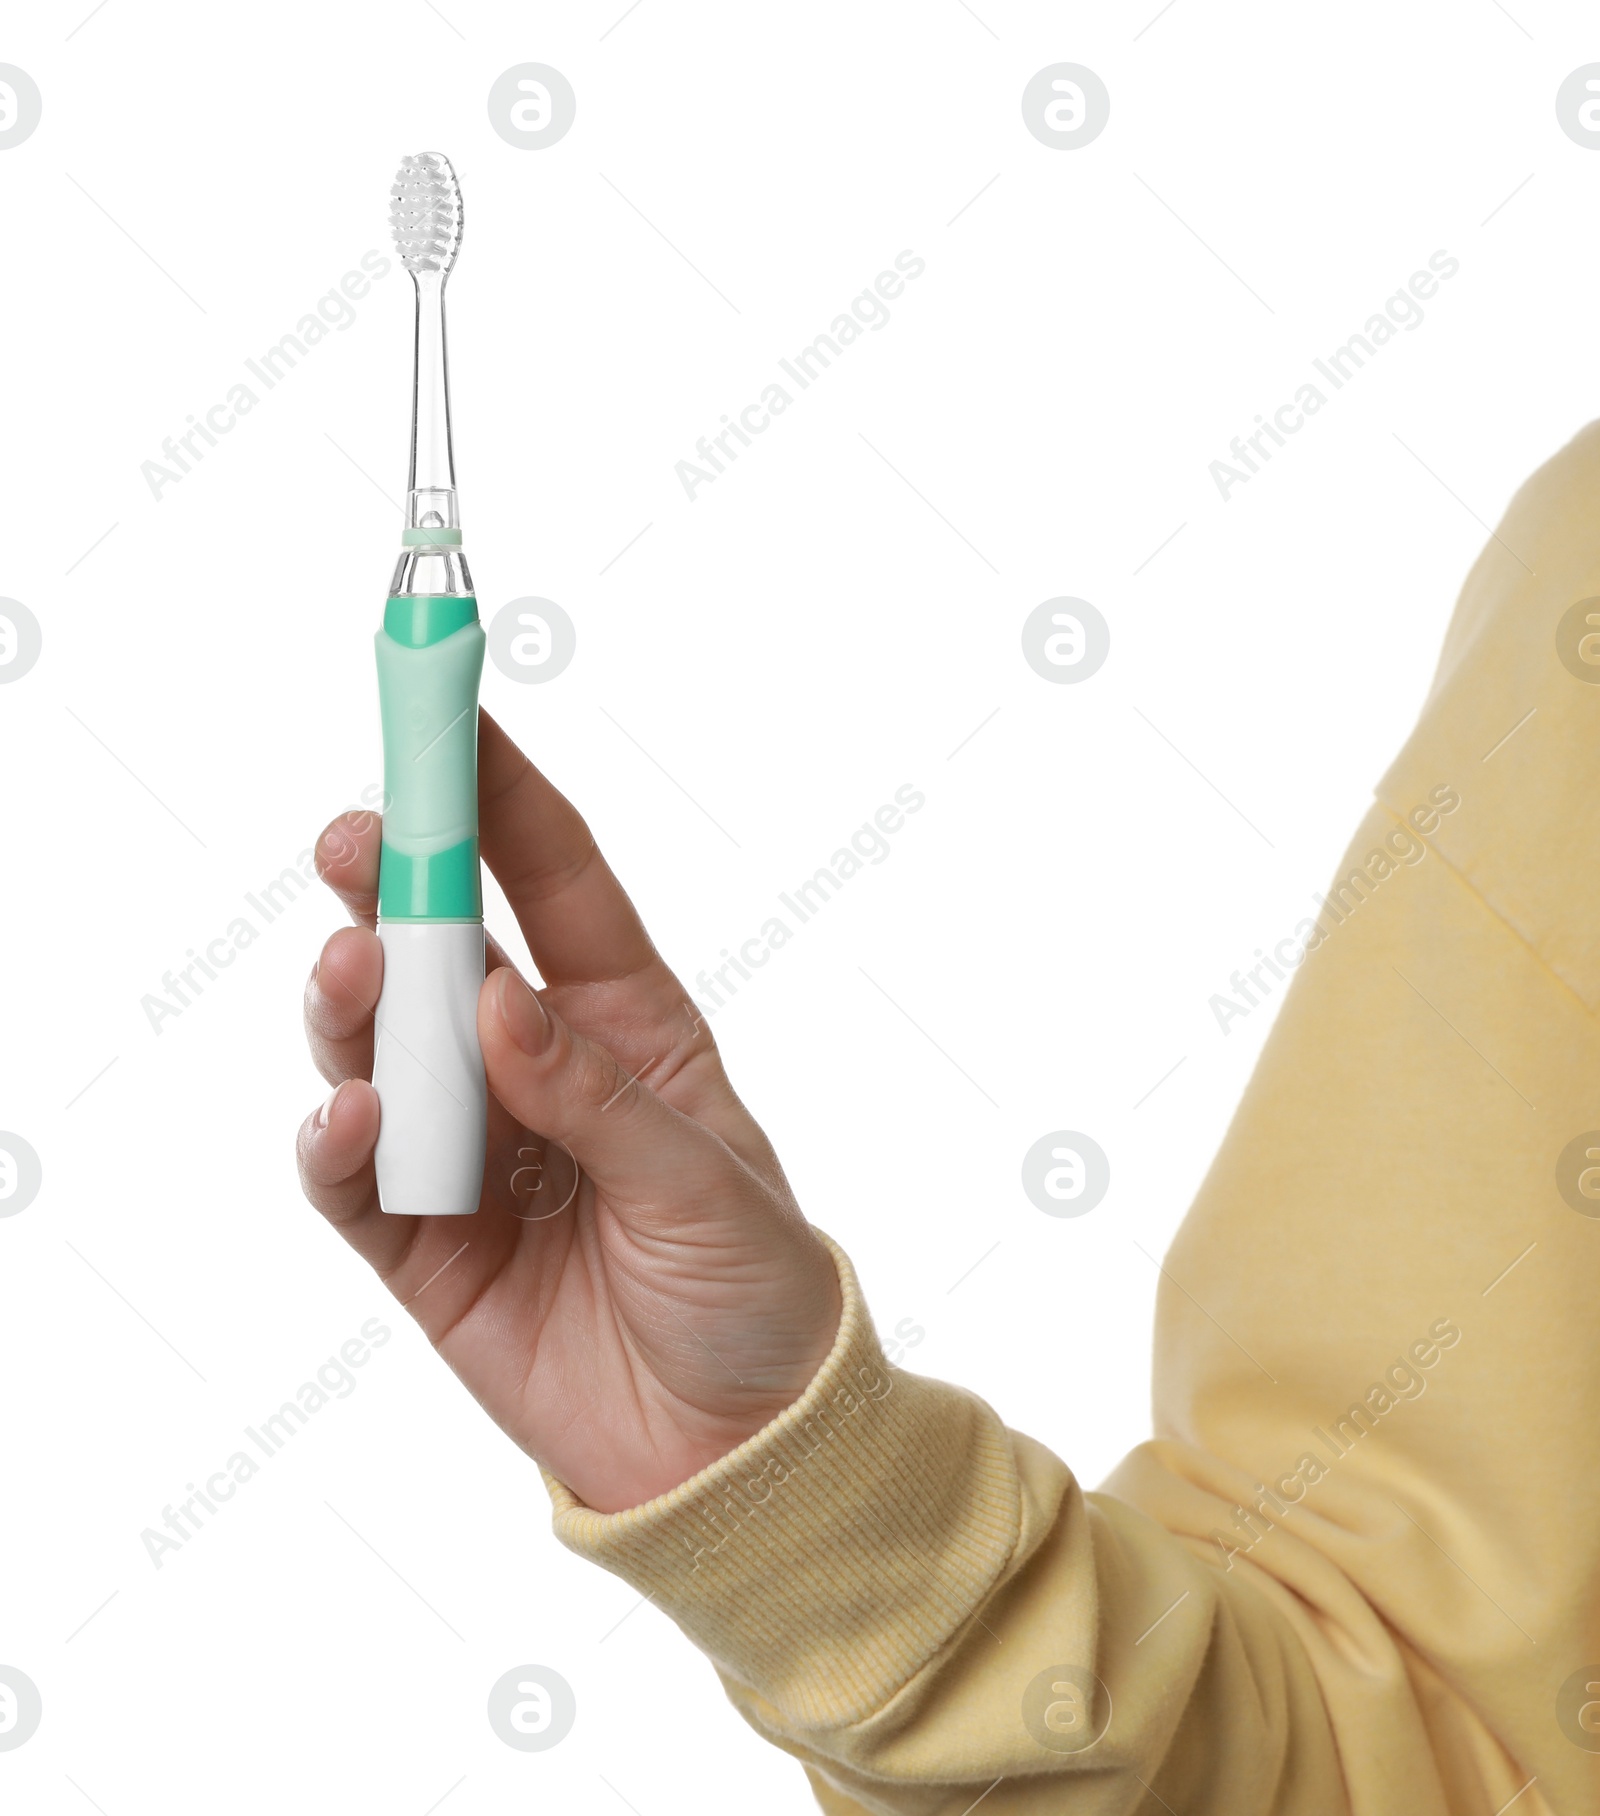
340	997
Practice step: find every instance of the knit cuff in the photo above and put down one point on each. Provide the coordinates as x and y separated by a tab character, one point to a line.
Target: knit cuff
824	1561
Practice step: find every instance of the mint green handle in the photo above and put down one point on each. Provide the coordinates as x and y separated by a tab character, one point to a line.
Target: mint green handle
430	660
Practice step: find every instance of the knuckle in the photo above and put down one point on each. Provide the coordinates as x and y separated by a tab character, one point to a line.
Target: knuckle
601	1081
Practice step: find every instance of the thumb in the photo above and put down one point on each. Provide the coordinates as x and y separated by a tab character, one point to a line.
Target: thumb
635	1148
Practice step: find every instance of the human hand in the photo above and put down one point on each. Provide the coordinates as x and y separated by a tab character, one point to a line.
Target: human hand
638	1292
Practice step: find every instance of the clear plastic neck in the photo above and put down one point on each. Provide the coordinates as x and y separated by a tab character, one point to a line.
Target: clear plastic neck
432	460
427	565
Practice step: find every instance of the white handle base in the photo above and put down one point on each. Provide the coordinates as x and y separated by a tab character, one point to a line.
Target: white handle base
428	1070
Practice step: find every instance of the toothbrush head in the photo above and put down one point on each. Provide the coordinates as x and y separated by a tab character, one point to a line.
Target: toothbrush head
425	214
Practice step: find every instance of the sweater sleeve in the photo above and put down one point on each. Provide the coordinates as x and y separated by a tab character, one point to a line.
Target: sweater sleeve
1355	1570
925	1608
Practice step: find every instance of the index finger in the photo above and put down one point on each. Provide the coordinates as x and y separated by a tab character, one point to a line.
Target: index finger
576	917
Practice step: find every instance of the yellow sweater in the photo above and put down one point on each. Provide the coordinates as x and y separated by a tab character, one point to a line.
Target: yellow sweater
1358	1568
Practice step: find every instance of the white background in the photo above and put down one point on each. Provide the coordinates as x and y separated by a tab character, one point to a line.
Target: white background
805	636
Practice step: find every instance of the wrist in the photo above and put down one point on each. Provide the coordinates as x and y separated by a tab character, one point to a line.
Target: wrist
680	1436
829	1556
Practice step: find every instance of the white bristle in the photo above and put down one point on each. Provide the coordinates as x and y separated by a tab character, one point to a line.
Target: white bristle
425	213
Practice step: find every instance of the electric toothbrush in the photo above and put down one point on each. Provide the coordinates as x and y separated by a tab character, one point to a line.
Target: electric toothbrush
427	1067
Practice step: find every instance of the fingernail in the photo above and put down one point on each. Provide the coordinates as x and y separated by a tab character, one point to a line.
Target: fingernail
326	1109
523	1013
